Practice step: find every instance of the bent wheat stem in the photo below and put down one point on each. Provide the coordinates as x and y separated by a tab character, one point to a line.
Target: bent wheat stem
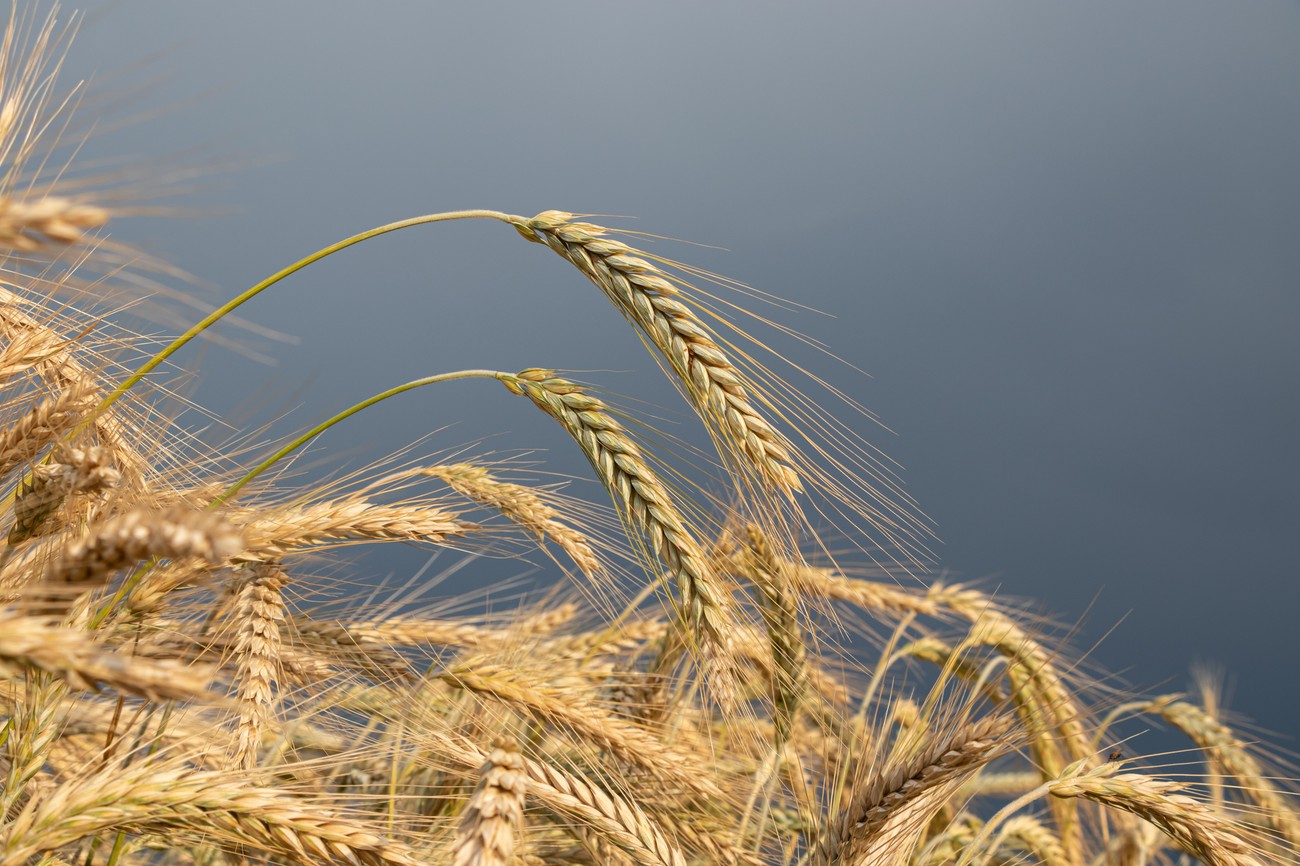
255	290
302	439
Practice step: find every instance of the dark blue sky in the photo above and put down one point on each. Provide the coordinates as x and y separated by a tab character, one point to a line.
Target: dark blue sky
1064	239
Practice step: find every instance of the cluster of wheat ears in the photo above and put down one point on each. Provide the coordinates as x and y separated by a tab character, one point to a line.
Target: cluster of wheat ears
170	692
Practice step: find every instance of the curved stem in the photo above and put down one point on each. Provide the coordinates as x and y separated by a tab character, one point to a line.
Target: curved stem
217	314
302	439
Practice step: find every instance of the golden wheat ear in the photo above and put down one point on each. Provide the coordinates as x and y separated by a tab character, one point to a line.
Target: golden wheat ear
648	297
891	808
493	816
526	506
259	614
34	225
1192	825
141	534
647	506
77	658
35	216
1227	754
183	803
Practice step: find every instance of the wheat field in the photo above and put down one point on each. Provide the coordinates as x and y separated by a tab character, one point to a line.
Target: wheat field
714	679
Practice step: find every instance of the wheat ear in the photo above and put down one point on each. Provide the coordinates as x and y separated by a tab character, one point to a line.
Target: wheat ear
139	534
336	645
25	347
57	366
523	505
1009	783
495	812
75	657
650	299
870	595
24	440
1192	825
31	730
272	534
259	613
406	631
1050	711
71	470
142	798
645	503
134	536
51	221
617	818
1033	836
1222	747
571	713
778	605
1049	696
888	815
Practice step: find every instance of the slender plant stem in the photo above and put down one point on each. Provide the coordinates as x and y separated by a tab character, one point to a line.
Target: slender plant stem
300	440
234	303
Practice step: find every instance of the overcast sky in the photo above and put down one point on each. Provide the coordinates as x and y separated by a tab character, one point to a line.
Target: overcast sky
1063	239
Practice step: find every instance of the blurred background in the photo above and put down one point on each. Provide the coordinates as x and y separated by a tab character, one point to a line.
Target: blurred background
1062	239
